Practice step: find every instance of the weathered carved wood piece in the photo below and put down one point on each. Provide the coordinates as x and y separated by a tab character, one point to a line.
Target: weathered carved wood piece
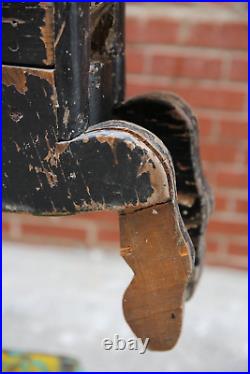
171	119
67	151
154	246
114	165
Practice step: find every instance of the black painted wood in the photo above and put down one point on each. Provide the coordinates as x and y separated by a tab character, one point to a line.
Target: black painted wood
72	62
28	37
101	169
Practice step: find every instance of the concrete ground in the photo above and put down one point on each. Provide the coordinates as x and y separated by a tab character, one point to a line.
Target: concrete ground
68	301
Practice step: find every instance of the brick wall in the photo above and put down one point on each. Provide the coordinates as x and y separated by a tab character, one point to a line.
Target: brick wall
199	51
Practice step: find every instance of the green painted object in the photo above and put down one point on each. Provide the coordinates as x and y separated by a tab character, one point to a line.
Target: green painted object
13	361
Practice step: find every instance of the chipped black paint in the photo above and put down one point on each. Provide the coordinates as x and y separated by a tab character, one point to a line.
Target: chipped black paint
72	48
24	143
23	42
85	175
84	45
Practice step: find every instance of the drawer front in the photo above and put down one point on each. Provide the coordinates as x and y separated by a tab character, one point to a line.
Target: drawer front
28	34
29	130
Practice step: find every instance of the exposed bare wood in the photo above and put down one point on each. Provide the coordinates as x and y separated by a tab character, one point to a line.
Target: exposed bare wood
154	246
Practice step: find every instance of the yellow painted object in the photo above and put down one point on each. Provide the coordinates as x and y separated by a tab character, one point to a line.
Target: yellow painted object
34	362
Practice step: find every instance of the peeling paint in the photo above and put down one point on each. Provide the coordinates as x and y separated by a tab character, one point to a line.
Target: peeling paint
47	34
51	177
17	76
13	21
16	116
61	148
51	158
59	34
112	142
186	199
18	148
13	76
66	116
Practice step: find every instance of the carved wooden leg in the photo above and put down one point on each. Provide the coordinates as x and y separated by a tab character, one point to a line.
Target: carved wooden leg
171	119
153	245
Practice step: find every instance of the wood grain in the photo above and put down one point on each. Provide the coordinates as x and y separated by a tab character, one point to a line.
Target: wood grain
153	245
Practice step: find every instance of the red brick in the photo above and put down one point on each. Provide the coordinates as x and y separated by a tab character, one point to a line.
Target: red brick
134	61
228	227
197	96
5	227
98	217
216	98
205	125
186	66
246	156
239	69
219	152
242	206
227	261
209	173
54	231
134	89
221	203
232	179
233	5
133	30
212	245
238	249
233	129
218	35
159	30
187	75
105	235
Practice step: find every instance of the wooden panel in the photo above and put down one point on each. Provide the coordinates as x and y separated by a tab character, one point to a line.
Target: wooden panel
28	35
